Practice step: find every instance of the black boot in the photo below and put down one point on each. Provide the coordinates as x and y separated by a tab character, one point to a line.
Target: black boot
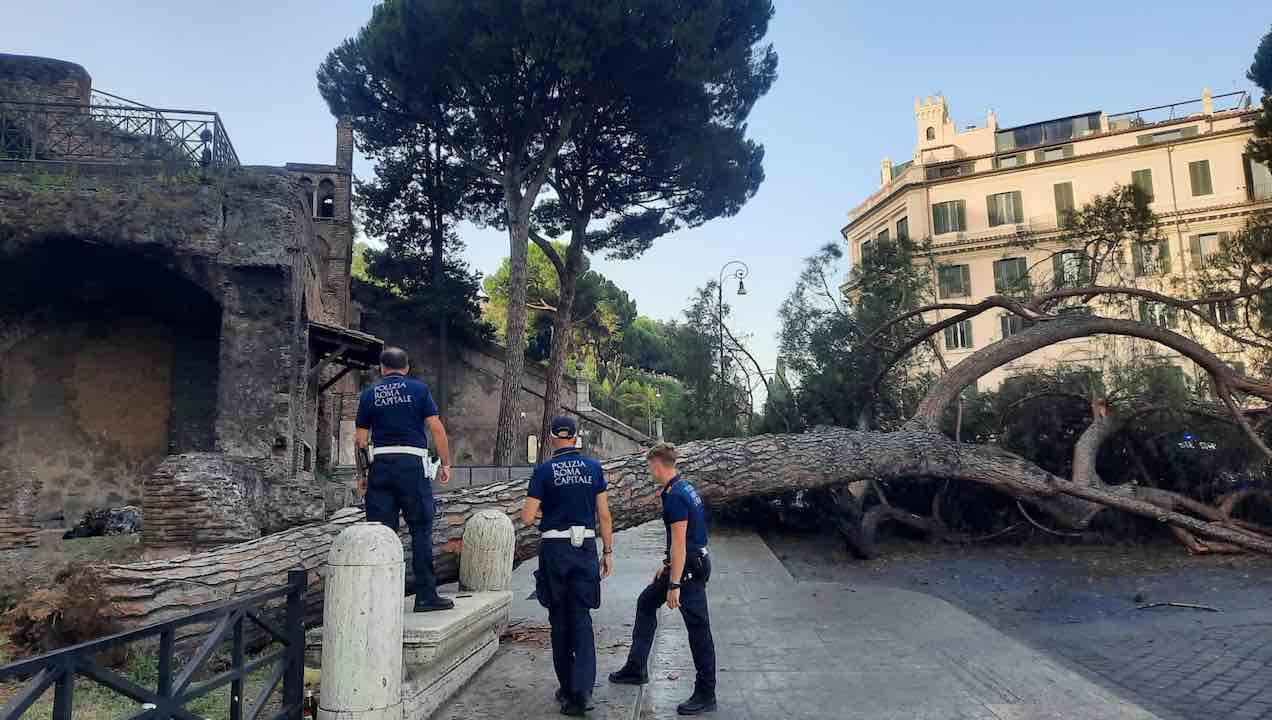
698	703
629	675
575	704
433	604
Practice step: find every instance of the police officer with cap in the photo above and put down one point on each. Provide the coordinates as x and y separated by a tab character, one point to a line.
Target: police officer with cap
681	583
569	489
392	416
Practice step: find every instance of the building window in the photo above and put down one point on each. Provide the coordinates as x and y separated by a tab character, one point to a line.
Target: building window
882	237
1011	276
867	247
1158	314
1064	204
326	205
954	281
1151	258
1222	312
1010	324
1044	133
1167	135
1142	180
959	336
903	229
1208	249
1258	179
307	190
949	216
931	133
1070	269
1009	161
1199	177
1005	209
1055	153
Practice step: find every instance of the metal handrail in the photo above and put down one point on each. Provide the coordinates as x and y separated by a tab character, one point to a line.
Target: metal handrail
60	668
113	133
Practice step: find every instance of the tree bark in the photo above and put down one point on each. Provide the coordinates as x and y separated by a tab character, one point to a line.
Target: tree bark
515	330
561	323
722	470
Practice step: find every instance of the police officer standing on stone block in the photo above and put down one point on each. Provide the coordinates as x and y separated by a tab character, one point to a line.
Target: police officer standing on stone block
680	583
392	416
570	491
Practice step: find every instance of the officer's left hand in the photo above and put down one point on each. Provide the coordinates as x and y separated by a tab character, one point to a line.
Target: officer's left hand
443	475
607	565
673	598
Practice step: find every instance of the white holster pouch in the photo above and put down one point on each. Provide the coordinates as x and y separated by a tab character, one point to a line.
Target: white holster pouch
430	465
576	535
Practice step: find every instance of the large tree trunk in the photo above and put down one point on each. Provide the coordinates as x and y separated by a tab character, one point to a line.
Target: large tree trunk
568	279
515	333
723	470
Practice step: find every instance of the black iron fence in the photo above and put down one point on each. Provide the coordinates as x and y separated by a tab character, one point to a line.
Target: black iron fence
177	687
113	130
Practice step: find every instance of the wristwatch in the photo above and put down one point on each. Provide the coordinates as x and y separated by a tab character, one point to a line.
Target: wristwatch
673	586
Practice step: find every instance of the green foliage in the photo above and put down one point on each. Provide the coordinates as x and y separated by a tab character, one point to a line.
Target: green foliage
827	342
1260	73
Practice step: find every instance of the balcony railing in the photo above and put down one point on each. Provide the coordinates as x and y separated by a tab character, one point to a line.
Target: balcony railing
1145	117
112	130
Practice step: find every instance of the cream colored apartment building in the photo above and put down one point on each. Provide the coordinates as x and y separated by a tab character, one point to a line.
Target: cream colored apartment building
991	200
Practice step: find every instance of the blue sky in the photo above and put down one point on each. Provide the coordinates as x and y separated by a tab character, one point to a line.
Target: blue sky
848	76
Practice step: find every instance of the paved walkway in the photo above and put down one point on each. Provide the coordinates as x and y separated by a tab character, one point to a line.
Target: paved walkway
792	650
519	682
820	650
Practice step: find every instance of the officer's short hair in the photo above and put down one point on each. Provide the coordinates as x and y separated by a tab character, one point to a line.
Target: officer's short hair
664	451
394	358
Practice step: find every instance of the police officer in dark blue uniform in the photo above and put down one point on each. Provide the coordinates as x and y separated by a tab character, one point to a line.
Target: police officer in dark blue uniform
680	583
392	416
570	491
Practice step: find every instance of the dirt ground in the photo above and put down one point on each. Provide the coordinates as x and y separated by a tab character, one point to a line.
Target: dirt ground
25	569
1081	603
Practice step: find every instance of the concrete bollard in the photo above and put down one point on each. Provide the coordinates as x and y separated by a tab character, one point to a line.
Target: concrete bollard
485	562
362	626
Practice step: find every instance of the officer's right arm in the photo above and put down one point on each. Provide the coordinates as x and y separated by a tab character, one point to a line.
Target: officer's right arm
534	497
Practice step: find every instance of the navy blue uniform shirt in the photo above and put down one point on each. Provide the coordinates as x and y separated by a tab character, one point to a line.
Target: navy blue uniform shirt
567	486
681	502
394	408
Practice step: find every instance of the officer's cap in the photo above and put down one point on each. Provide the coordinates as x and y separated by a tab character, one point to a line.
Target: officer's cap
564	427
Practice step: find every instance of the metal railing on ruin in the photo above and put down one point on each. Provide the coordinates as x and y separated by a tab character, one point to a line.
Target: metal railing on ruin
276	616
113	130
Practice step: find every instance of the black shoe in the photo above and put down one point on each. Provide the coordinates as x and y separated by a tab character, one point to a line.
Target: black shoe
575	704
697	704
629	676
433	604
561	695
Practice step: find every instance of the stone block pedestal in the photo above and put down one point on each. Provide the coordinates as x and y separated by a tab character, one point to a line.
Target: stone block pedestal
442	650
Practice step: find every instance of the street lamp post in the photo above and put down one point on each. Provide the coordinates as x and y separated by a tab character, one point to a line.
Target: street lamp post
741	272
649	410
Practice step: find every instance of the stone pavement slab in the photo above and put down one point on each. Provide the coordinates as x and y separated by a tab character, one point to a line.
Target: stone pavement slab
519	682
822	650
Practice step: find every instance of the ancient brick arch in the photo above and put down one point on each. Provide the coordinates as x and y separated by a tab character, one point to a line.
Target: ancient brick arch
111	363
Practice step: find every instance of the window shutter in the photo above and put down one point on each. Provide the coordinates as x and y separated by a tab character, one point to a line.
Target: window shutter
967	333
1199	177
1057	269
1004	325
965	272
1190	131
991	208
1137	257
950	338
1068	151
1194	242
1064	203
960	211
1163	256
1000	276
1224	240
942	282
1143	312
1017	207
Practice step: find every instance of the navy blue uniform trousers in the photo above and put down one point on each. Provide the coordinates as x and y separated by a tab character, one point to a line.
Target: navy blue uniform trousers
693	607
396	485
568	584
